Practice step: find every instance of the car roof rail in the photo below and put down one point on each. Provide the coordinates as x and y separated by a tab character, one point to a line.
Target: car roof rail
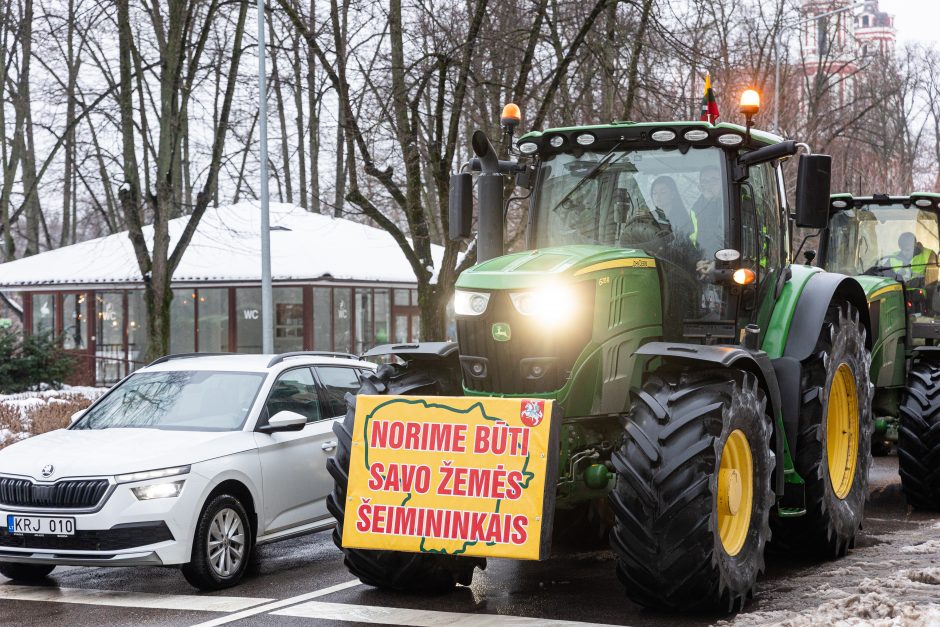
167	358
279	358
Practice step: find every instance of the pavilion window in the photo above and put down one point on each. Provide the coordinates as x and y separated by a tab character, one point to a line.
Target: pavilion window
288	319
75	321
183	321
43	314
213	320
322	318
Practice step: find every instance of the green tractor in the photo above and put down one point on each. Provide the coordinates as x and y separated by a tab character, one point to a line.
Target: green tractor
890	244
712	391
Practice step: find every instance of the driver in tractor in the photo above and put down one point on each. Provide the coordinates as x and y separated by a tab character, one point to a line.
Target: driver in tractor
911	262
916	266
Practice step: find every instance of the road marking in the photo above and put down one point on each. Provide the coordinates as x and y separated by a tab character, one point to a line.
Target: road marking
415	618
261	609
118	598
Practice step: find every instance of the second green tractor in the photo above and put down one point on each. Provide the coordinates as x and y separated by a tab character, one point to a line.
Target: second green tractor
890	244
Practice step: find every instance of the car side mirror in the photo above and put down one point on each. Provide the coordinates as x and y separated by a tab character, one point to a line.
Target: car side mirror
74	417
812	191
285	421
460	205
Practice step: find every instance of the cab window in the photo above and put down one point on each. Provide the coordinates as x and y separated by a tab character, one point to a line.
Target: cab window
296	391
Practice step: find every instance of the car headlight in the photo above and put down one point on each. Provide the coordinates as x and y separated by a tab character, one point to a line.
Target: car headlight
470	303
551	306
158	490
152	474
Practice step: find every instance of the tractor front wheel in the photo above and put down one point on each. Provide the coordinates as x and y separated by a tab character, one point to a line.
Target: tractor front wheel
919	437
415	572
693	491
833	452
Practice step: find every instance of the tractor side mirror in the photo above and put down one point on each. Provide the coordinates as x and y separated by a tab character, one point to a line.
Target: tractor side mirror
812	191
460	205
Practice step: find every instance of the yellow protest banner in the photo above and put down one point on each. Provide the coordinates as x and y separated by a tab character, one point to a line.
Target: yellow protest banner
452	475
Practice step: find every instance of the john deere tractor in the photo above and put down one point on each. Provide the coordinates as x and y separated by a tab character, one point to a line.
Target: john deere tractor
710	390
890	244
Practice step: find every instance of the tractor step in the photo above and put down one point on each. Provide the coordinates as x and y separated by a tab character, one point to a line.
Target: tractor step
793	503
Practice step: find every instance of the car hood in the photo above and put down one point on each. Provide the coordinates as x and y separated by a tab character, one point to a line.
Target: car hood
95	452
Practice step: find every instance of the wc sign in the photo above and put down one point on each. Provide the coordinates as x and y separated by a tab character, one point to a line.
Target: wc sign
251	314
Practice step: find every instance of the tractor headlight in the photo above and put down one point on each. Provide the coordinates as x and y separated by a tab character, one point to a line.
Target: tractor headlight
470	303
551	306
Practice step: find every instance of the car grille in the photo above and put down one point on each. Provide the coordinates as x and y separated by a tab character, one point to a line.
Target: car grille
508	364
114	539
71	494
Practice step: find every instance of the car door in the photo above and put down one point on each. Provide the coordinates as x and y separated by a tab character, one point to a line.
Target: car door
293	463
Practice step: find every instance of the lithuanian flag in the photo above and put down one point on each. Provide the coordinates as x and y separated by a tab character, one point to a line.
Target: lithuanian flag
709	112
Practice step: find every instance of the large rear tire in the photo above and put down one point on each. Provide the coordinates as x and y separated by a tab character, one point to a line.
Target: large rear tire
833	452
693	491
919	437
417	572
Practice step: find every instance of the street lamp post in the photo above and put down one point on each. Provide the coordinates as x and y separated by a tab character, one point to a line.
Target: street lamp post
267	293
778	45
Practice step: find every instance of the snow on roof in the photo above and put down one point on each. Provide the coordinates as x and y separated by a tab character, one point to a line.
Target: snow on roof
227	247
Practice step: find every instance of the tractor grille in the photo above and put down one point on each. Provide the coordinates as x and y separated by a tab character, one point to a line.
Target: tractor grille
71	494
118	537
508	366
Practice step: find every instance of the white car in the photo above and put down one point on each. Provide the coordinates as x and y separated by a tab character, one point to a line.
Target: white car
191	461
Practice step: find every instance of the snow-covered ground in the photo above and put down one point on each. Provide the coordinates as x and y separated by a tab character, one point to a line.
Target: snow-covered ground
890	579
28	413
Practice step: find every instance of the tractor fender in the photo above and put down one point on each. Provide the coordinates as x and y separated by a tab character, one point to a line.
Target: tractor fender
417	351
821	290
754	362
443	357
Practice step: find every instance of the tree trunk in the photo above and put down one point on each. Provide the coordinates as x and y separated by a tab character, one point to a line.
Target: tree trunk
282	120
299	106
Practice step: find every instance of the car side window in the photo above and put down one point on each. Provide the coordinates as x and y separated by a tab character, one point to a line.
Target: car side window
296	391
337	381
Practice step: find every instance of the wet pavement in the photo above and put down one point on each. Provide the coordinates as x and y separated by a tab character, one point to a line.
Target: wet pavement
892	574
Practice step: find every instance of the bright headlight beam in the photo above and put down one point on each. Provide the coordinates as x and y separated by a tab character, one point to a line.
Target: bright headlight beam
550	306
158	490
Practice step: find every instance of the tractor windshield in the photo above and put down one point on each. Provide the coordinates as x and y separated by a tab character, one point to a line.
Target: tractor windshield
889	240
662	201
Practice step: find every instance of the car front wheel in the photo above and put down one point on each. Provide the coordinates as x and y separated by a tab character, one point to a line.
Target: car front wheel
221	546
26	572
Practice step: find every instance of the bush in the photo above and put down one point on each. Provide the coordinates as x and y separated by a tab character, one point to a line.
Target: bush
26	363
56	414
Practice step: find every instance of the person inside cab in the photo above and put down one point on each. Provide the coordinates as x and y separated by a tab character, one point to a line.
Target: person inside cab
916	266
912	261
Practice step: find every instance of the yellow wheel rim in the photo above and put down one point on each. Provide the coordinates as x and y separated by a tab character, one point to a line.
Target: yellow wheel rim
735	492
842	431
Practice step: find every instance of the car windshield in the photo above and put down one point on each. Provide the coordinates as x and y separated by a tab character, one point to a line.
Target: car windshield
177	401
648	199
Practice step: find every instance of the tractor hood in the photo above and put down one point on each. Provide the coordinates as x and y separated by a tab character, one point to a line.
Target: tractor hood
535	268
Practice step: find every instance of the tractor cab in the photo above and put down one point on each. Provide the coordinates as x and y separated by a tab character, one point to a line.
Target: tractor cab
677	193
895	238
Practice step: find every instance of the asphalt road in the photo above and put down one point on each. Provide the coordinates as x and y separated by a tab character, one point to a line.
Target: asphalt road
893	572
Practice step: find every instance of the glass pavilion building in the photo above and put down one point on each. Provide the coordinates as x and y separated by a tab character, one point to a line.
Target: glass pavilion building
338	286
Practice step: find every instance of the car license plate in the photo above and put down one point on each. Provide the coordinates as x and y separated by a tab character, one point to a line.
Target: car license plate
40	525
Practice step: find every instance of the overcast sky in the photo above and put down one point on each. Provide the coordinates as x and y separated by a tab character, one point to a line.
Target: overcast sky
916	20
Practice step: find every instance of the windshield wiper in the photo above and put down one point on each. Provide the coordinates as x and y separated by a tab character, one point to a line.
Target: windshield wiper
590	174
910	265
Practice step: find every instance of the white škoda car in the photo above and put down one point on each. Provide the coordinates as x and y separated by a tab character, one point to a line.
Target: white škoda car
191	461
